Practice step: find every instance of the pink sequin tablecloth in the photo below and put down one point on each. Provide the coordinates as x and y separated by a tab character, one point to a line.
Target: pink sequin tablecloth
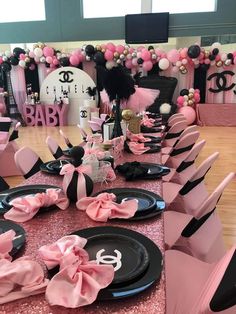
48	227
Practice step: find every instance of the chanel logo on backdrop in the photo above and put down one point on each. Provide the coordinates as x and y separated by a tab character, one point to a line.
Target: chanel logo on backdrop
83	114
66	76
109	259
221	81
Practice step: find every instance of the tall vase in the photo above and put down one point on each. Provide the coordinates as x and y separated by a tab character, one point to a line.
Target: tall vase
117	130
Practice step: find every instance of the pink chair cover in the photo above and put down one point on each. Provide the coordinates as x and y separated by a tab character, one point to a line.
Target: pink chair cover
54	148
191	283
25	159
187	141
8	166
206	242
190	202
176	128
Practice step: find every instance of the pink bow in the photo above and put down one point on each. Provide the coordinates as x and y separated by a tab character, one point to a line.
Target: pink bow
148	122
20	278
137	137
103	207
137	148
68	170
111	176
6	244
79	280
25	208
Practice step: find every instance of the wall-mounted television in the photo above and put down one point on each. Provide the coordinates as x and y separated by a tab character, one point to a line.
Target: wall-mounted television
147	28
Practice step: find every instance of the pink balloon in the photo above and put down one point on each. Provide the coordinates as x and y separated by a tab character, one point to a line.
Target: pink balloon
218	58
139	54
111	46
131	50
108	55
158	52
234	60
175	69
74	60
55	61
76	52
184	61
22	56
31	54
173	55
120	49
103	46
145	55
147	65
1	61
140	48
189	114
184	52
49	59
207	61
129	64
134	61
48	51
180	100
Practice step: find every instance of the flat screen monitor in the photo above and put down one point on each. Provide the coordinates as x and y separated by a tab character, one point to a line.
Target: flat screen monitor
146	28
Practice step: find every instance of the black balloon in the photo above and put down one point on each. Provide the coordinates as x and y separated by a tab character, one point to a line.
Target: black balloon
89	49
17	51
230	56
14	60
65	62
212	57
6	66
140	61
194	51
215	51
150	47
184	92
204	67
99	58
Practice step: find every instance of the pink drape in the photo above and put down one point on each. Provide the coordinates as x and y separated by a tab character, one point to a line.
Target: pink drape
18	85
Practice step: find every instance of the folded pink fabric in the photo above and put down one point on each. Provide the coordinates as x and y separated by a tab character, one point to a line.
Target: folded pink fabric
56	253
137	148
79	280
149	122
137	137
25	208
6	244
20	278
103	207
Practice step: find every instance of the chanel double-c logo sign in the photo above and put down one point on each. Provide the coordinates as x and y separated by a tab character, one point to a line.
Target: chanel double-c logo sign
66	76
221	81
83	114
109	259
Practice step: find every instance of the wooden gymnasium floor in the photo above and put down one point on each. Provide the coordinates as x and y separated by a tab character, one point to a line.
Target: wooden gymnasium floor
221	139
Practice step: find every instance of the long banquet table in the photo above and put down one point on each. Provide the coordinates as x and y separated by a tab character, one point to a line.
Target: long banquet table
50	226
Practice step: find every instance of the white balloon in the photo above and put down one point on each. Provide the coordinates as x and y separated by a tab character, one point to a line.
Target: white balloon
22	63
110	64
216	45
38	52
43	59
224	57
8	53
164	64
4	58
191	90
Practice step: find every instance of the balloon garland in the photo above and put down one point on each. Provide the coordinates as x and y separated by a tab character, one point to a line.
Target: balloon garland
188	97
132	58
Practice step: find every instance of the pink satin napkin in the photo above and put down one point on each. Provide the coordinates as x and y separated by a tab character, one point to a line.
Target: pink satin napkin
6	244
20	279
137	137
103	207
79	280
25	208
137	148
148	122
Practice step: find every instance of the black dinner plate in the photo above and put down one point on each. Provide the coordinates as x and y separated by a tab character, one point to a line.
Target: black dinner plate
145	129
149	204
154	139
8	196
132	256
138	284
19	240
54	166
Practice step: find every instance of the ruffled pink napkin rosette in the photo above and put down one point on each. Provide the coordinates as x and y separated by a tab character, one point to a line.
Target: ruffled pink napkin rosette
25	208
103	207
148	122
137	137
137	148
79	280
20	278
